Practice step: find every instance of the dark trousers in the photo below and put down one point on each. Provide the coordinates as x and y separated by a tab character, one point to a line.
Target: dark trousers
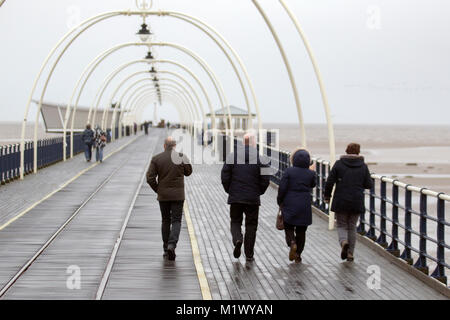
171	213
297	234
88	151
237	211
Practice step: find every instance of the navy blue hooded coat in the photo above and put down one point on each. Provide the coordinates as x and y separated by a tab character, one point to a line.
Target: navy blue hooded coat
294	192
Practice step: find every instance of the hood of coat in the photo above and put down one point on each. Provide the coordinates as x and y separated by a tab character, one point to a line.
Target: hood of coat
353	161
301	159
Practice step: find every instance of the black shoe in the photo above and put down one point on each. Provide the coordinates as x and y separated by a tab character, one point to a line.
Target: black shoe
165	254
293	251
171	254
250	259
344	251
237	249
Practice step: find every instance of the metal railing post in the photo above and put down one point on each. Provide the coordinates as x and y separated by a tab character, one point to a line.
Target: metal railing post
439	272
393	246
382	237
406	255
371	233
421	262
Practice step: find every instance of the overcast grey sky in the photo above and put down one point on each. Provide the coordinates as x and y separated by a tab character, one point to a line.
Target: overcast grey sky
382	61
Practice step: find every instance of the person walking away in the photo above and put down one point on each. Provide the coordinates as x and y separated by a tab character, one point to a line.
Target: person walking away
294	199
146	127
88	139
135	128
166	177
351	176
244	181
100	143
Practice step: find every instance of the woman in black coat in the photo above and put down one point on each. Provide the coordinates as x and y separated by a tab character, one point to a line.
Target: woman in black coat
294	199
351	176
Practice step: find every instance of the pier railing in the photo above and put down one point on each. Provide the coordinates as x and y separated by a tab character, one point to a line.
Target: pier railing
49	152
408	221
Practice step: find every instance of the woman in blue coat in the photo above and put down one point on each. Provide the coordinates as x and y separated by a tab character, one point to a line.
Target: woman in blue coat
294	199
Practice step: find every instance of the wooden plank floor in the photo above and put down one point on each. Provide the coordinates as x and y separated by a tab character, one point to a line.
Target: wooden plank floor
322	275
87	241
21	194
140	272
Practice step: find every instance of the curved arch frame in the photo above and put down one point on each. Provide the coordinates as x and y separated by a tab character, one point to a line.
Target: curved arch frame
92	21
181	78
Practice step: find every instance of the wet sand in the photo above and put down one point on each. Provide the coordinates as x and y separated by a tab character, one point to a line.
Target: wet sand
419	155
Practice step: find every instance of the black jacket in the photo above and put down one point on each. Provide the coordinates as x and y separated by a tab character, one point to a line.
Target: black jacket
243	177
166	175
351	176
88	136
294	192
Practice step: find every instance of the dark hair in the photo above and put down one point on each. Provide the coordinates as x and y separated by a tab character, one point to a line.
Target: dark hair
88	126
353	148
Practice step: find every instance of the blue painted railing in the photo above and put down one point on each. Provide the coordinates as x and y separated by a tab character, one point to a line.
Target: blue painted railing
383	210
49	152
381	222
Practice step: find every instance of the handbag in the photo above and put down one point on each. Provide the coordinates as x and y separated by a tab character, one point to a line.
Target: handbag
103	138
280	220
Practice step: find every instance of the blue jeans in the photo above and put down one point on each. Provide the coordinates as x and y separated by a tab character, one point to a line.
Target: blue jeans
88	151
99	154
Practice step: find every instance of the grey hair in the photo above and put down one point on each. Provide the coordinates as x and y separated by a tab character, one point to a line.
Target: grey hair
170	143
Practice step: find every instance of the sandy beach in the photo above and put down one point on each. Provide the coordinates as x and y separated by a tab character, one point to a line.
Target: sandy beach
419	155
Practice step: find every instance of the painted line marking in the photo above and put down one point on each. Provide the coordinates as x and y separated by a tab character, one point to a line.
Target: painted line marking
204	287
63	186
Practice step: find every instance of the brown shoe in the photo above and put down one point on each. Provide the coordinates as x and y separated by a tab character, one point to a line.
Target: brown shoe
350	256
344	252
293	251
298	259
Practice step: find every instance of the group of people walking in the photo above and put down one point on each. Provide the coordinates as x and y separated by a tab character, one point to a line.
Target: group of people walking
94	139
244	181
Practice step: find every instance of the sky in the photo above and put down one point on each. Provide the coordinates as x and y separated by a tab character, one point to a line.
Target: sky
383	61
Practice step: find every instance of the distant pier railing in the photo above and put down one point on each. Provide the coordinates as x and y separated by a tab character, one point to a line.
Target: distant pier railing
49	152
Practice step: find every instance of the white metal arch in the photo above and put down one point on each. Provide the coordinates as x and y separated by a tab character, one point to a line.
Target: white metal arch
90	22
178	76
149	79
151	90
136	93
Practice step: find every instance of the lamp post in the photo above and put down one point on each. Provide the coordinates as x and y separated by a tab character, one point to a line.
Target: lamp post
144	33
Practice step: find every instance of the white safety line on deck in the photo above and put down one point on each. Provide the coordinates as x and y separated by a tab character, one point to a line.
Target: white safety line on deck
204	287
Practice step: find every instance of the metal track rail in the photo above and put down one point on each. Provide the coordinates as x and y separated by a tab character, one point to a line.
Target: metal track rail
61	228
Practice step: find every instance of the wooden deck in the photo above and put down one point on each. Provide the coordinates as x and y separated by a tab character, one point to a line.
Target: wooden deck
102	198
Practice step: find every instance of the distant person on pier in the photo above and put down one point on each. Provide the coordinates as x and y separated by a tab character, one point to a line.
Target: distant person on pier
244	181
88	139
146	127
294	199
166	177
135	128
100	143
351	176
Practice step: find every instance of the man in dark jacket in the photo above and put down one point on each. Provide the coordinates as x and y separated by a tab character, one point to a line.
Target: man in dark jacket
166	177
244	181
88	139
351	176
